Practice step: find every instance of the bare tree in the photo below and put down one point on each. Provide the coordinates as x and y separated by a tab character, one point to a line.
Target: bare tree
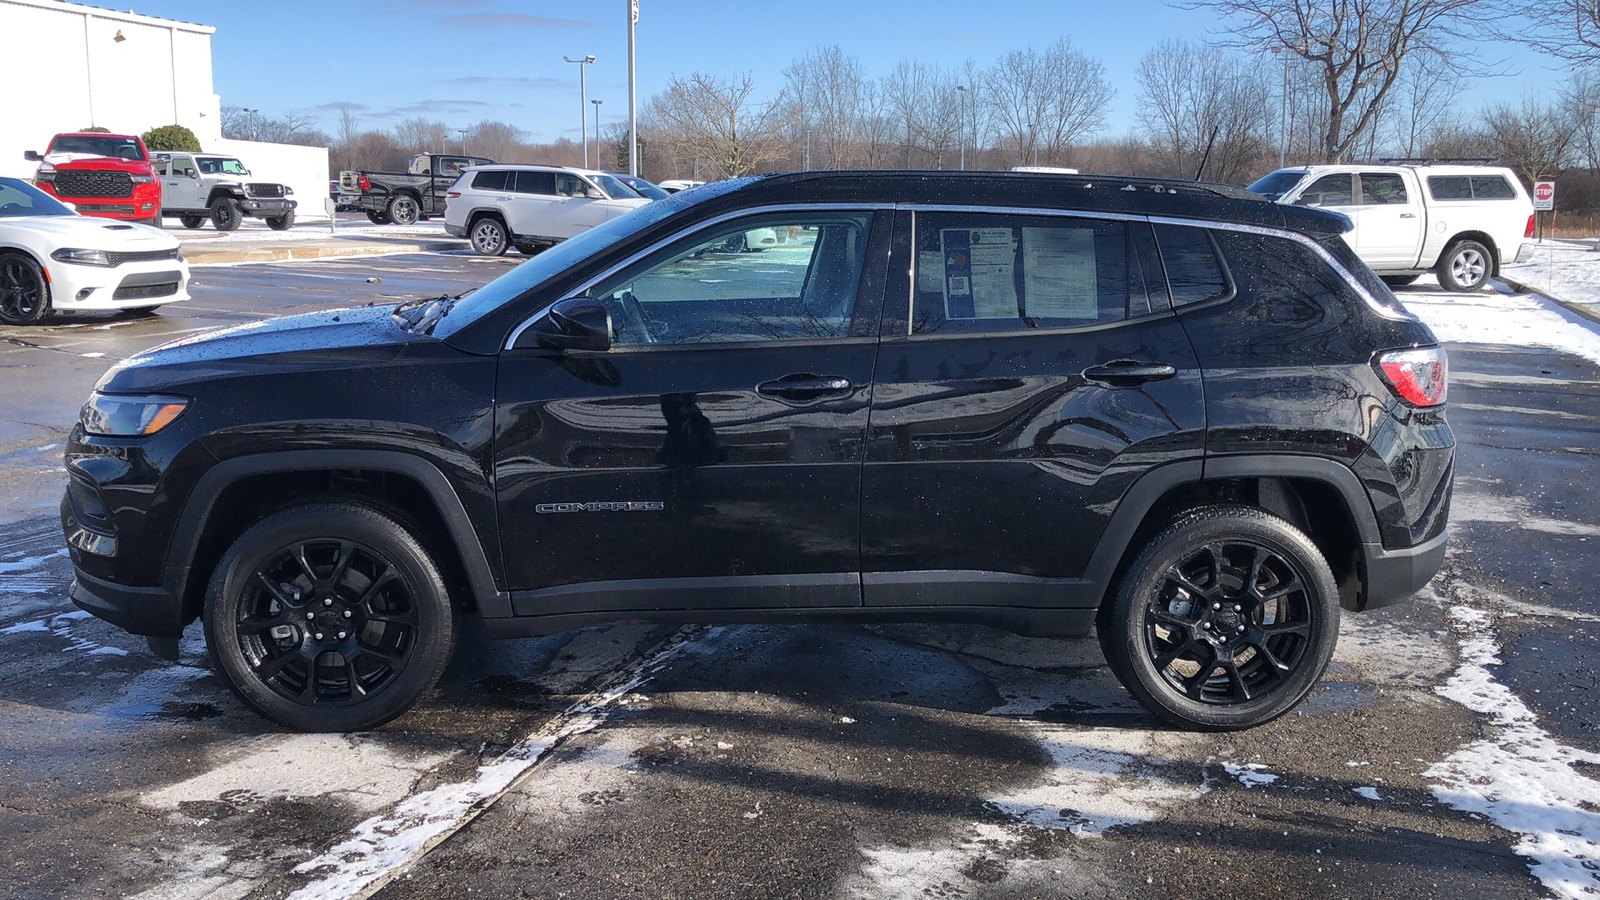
498	141
717	121
1568	29
1046	101
1533	138
1423	100
1204	112
1357	48
1580	101
419	135
825	98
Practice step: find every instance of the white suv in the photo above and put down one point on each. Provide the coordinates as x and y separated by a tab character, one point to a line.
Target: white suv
532	207
1461	222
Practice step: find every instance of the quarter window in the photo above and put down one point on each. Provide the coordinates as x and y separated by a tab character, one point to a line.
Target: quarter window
778	277
1329	190
1491	187
1470	187
996	273
1195	273
1380	189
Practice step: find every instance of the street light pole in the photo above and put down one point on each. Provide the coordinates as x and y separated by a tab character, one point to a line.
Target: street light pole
252	113
633	103
1283	109
583	101
597	131
961	119
462	133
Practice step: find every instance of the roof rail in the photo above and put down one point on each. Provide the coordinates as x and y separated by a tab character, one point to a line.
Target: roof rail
1087	179
1439	160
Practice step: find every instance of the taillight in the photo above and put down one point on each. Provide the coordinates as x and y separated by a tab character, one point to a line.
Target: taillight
1528	232
451	195
366	184
1417	376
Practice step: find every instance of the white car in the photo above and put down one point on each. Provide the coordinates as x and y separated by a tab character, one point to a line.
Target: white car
532	207
674	185
1462	222
52	259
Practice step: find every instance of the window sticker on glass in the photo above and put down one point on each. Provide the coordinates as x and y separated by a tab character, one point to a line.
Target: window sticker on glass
1059	273
930	272
979	273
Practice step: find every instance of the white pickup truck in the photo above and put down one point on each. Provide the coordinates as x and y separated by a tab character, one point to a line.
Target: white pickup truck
1461	222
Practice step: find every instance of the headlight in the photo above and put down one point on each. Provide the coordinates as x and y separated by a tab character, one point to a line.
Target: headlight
45	175
140	179
82	257
288	191
127	415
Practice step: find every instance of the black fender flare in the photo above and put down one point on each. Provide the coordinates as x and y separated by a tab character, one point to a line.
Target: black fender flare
1140	499
491	601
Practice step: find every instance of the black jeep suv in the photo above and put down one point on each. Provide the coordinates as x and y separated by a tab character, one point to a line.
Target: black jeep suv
1176	412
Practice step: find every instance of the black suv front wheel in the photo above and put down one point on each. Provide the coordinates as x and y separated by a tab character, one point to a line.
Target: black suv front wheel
329	617
1225	621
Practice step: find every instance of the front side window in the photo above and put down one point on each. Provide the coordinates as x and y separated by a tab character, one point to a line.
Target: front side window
994	273
1380	189
569	185
714	287
452	166
1195	274
183	167
1329	190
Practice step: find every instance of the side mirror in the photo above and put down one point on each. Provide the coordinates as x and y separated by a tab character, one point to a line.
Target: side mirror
578	323
195	174
32	156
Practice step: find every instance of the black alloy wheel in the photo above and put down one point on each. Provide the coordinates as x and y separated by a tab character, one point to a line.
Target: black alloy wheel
329	617
24	292
404	210
191	221
226	214
377	218
1225	621
283	222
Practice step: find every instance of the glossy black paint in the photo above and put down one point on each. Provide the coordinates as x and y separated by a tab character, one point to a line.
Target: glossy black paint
996	478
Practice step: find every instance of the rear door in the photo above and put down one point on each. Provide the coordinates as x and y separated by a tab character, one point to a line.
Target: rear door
1389	221
711	459
1039	374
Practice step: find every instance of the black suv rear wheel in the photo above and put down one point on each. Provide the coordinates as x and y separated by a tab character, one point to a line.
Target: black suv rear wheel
329	617
1225	621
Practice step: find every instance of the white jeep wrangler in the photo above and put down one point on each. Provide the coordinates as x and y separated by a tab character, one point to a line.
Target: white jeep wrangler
198	186
1460	221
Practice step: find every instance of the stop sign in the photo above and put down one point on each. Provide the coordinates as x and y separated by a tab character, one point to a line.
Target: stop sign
1544	195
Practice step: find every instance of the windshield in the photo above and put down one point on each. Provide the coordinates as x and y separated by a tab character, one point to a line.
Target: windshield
1274	186
615	189
459	312
221	165
644	188
19	198
99	145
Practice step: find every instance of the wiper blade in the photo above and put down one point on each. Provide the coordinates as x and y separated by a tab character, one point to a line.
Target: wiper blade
421	315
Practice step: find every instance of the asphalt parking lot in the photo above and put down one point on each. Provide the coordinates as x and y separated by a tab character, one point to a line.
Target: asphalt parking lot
1451	750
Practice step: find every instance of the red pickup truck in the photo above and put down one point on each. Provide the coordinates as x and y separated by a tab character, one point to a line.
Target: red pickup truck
102	175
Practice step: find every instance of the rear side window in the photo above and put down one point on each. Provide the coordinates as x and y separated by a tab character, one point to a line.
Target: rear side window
535	183
1474	187
1195	273
492	181
1379	189
986	273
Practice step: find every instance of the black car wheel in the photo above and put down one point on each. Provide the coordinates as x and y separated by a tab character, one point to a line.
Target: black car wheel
329	617
377	218
192	221
283	222
226	214
404	210
1401	280
489	237
1225	621
1465	267
24	292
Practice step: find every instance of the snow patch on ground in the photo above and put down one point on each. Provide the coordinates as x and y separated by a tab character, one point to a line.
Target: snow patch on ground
1521	778
61	626
382	846
1523	320
1566	269
1468	506
26	575
916	873
1099	778
1371	793
1250	774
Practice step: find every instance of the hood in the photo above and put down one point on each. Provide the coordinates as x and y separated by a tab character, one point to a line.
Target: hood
90	232
70	162
361	337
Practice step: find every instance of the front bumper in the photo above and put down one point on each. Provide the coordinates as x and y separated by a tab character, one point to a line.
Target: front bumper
132	284
267	208
144	204
149	611
1394	575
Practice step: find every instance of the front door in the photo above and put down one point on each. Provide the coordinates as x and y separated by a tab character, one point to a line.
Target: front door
581	207
712	457
1041	372
180	188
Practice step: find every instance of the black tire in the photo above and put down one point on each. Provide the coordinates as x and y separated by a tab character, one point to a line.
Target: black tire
1202	647
283	222
226	214
488	236
403	209
141	312
24	291
531	249
736	244
1465	267
350	574
377	218
192	221
1400	280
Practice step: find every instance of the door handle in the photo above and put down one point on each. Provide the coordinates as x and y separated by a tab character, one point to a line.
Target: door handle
804	386
501	199
1128	372
1408	215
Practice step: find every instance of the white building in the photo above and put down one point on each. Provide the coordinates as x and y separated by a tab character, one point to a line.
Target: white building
65	67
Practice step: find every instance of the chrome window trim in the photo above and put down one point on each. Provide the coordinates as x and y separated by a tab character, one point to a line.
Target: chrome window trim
1349	279
675	236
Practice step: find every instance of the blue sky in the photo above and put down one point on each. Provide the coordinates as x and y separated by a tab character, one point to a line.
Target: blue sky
462	61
